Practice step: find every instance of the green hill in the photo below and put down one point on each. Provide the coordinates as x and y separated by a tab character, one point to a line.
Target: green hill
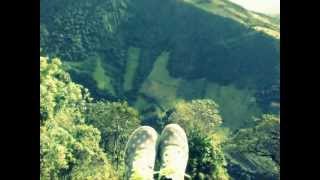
155	53
217	41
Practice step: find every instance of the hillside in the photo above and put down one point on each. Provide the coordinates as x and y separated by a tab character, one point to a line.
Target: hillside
225	8
213	43
156	53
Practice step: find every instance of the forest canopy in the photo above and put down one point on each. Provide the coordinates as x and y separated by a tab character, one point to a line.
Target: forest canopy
108	67
82	138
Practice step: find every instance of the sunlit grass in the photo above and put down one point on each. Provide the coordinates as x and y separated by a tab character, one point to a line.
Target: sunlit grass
159	84
229	10
78	66
270	32
103	81
236	105
131	67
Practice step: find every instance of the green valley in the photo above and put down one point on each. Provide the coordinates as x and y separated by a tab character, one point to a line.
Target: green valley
142	60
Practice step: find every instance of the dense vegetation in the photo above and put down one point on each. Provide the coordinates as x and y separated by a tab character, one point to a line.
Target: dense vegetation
115	121
211	66
200	119
254	152
84	139
69	148
114	48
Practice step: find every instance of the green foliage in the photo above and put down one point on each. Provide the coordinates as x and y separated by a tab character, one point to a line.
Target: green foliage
206	158
197	115
69	148
237	105
255	151
103	81
263	139
43	36
173	59
116	121
75	32
159	84
200	119
220	51
192	89
231	10
58	93
131	67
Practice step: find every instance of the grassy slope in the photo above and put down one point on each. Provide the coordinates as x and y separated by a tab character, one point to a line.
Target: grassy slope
77	66
159	84
258	21
131	67
103	81
236	106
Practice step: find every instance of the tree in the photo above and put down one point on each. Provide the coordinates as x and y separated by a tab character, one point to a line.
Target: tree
116	121
197	115
58	93
259	144
206	157
200	119
263	139
69	148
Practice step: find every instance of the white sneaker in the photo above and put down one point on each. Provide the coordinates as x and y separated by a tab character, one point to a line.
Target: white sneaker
174	152
140	154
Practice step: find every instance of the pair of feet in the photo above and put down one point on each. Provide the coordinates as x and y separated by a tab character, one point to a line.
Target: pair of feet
141	151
